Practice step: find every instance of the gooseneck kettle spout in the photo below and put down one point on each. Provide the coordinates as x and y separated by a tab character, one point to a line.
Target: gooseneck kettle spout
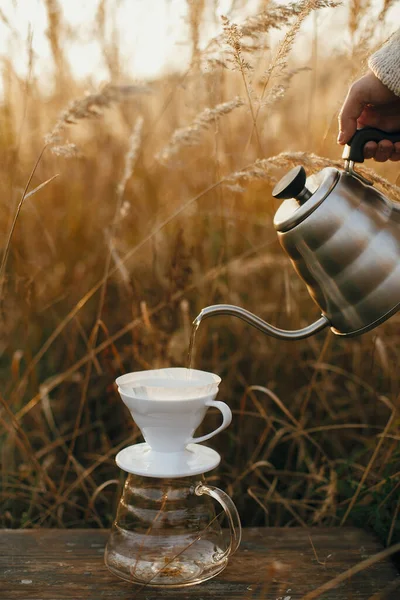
251	319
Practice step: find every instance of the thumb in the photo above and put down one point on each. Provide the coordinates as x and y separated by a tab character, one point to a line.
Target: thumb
351	110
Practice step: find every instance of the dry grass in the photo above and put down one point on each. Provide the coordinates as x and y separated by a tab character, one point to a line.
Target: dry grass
105	267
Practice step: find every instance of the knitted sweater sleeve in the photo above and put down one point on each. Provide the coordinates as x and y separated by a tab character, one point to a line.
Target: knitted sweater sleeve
385	63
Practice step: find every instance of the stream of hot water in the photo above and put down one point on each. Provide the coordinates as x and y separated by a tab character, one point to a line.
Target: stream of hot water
195	326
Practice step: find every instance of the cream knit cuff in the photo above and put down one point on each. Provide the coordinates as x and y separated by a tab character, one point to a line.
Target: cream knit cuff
385	63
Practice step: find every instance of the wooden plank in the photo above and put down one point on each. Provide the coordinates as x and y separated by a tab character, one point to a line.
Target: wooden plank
272	564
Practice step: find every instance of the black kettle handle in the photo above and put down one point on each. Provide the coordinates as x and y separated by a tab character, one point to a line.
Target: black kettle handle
354	149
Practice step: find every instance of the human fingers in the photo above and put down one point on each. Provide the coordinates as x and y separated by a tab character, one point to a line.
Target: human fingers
384	151
351	110
395	156
370	149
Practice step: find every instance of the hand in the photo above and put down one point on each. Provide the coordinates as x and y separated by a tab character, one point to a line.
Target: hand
369	103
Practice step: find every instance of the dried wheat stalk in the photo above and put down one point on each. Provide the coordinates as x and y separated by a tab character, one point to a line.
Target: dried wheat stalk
195	10
54	35
191	135
357	11
87	107
233	38
135	141
387	4
265	169
279	64
274	17
279	90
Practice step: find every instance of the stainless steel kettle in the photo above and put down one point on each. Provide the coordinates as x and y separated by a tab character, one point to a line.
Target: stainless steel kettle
343	238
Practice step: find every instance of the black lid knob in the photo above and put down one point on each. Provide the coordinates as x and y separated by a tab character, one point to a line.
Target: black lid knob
293	185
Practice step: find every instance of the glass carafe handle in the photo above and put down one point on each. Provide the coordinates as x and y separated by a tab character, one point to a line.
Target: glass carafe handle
230	510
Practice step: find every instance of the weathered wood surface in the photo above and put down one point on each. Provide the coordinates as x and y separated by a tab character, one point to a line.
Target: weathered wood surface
49	564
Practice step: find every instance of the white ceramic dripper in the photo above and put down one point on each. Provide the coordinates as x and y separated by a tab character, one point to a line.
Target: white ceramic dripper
168	405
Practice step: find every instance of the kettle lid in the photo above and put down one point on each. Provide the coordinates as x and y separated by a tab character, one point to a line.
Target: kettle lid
302	195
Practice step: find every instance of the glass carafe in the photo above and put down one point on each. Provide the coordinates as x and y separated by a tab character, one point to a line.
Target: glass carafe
167	532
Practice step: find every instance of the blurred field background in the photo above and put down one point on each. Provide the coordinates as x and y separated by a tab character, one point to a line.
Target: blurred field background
162	205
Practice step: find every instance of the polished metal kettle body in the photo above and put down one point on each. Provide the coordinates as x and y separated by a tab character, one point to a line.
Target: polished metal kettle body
343	239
